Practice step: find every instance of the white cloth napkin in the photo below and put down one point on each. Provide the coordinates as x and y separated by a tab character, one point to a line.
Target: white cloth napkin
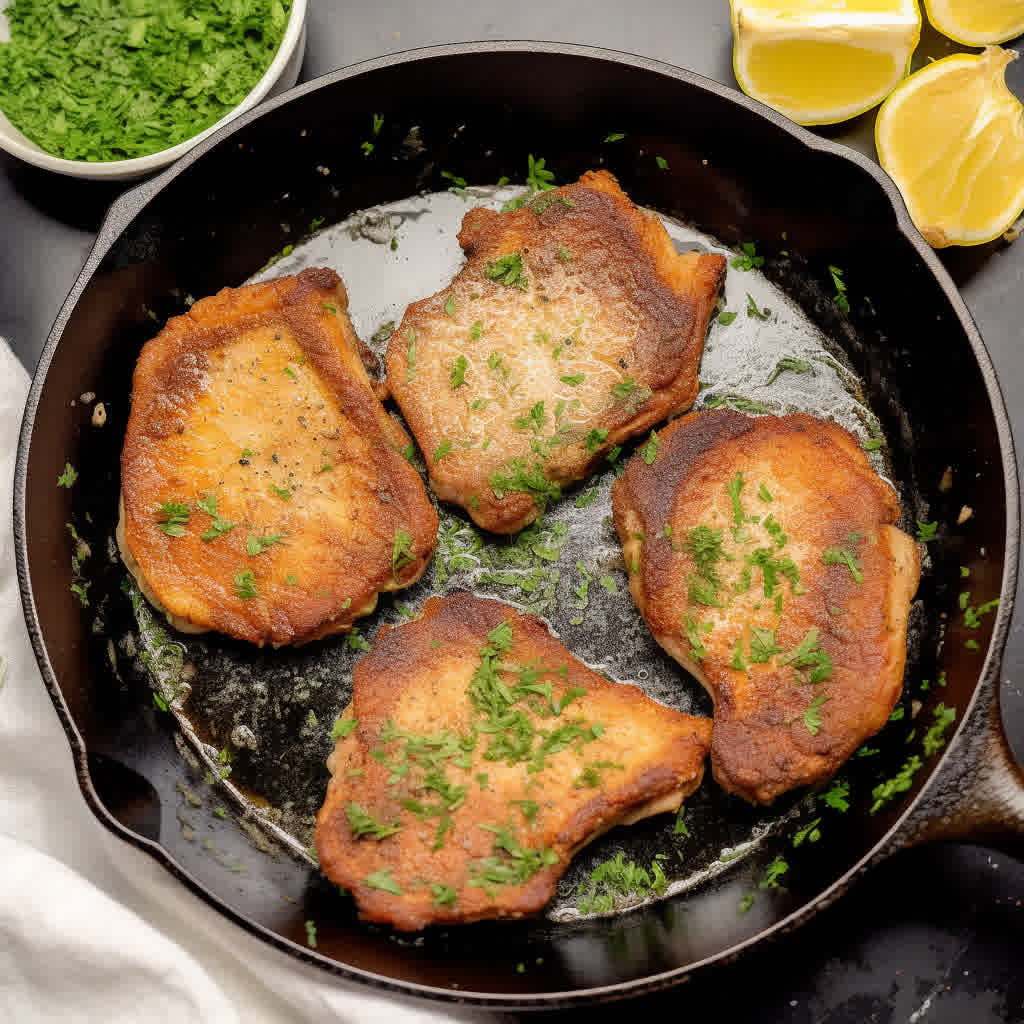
92	929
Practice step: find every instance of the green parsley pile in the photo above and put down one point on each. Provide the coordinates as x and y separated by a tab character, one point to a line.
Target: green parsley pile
102	80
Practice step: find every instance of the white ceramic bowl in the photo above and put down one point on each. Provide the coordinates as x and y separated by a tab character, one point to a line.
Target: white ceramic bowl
281	75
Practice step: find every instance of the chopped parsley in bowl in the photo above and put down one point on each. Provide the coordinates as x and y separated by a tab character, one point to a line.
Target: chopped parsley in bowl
117	88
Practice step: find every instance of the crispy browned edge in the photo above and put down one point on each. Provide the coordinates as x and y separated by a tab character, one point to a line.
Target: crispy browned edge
400	655
677	292
339	358
642	501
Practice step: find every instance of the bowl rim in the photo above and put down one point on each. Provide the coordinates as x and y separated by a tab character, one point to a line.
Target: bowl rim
138	165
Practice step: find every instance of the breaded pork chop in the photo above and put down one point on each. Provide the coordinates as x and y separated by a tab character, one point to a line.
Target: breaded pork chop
477	756
573	325
764	560
264	493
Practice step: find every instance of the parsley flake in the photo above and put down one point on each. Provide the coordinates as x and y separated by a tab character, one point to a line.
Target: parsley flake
457	374
383	880
748	258
68	477
245	585
172	516
257	545
508	270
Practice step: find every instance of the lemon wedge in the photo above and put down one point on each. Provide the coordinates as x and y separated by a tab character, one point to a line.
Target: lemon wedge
977	22
952	138
823	61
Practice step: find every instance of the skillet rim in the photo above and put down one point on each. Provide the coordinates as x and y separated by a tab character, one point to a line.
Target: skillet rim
127	206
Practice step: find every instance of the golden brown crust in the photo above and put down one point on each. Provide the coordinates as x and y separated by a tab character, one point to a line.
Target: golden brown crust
825	497
416	677
607	299
257	388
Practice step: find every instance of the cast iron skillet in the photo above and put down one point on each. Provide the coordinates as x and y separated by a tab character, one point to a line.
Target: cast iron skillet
737	171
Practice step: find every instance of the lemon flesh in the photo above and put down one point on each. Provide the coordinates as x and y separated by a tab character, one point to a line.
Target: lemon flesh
977	22
823	61
952	138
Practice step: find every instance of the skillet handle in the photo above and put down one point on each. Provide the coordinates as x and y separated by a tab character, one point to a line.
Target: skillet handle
977	794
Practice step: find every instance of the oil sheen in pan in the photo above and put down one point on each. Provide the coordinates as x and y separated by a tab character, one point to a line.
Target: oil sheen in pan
262	719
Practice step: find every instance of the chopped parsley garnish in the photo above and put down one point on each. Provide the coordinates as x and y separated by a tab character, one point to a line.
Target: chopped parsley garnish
842	556
245	585
257	545
532	420
311	934
159	701
738	661
519	477
357	642
734	487
508	270
291	373
476	330
383	880
172	516
511	863
837	796
840	299
595	439
541	203
401	551
100	82
282	492
935	737
679	828
363	824
366	146
807	655
593	774
649	452
748	258
615	137
809	833
705	545
926	531
291	579
762	644
69	476
609	584
616	879
773	873
219	526
792	365
693	629
812	716
343	728
627	388
899	783
563	255
494	362
753	311
458	185
572	378
661	162
764	494
537	175
443	449
725	318
444	895
872	444
449	306
457	374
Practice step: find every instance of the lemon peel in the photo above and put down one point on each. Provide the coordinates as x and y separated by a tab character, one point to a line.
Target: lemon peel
977	22
821	62
952	138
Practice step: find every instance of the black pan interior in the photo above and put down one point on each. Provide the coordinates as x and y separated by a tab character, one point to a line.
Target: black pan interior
734	174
